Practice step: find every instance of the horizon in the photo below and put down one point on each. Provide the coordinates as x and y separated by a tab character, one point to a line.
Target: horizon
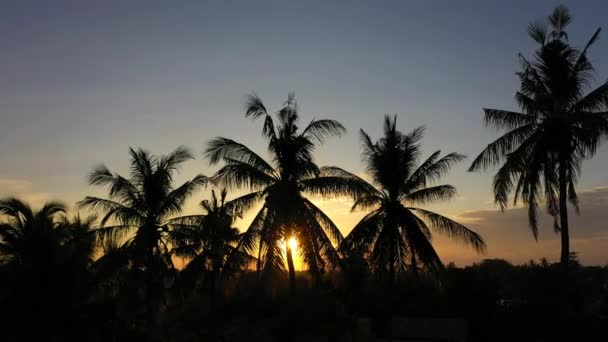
81	84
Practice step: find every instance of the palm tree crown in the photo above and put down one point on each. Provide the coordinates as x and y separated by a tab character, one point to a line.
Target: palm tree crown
28	236
280	184
208	241
396	232
560	124
144	202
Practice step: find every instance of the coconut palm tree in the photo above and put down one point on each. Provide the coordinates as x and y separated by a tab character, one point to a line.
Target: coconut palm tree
280	185
138	209
396	233
207	241
78	236
36	287
139	206
28	235
560	124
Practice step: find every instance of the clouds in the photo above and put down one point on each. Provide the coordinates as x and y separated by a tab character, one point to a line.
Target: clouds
508	235
24	190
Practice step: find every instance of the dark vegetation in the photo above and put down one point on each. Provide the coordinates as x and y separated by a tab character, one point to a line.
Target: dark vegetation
113	277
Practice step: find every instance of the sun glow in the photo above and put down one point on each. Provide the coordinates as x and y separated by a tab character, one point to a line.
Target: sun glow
293	244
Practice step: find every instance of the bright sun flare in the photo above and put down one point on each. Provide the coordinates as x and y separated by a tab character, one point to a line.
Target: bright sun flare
293	243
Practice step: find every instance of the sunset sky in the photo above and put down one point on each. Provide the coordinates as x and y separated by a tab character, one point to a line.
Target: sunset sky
82	81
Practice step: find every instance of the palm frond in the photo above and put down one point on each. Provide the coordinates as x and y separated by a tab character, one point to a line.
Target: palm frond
362	237
175	200
174	159
538	32
220	148
112	237
496	152
237	174
559	19
367	203
332	187
432	170
328	226
352	185
434	194
249	241
243	203
254	107
112	210
417	242
506	120
453	229
597	99
141	165
15	208
322	129
582	62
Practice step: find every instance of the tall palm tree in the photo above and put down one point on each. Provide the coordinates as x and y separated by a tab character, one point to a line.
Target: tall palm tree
397	232
138	209
208	241
560	124
280	185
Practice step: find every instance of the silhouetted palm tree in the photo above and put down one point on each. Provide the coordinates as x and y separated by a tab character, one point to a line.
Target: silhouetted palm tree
142	204
207	241
396	232
285	213
139	208
28	235
79	238
36	280
560	124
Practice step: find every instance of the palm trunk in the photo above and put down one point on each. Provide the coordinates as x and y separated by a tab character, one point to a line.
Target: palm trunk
215	289
414	265
212	282
292	271
563	215
259	263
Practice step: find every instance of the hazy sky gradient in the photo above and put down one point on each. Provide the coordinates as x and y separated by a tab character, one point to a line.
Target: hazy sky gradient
81	81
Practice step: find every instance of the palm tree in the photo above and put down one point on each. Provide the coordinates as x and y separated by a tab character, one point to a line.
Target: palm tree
35	277
208	241
28	236
280	185
79	238
139	208
144	202
560	124
396	231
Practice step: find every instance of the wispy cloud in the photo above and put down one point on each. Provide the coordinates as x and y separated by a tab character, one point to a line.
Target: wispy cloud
24	190
508	235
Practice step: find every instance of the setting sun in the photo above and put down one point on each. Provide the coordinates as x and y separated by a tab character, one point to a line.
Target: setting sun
293	243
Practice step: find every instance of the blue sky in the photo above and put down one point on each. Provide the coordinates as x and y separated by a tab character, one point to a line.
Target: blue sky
82	81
